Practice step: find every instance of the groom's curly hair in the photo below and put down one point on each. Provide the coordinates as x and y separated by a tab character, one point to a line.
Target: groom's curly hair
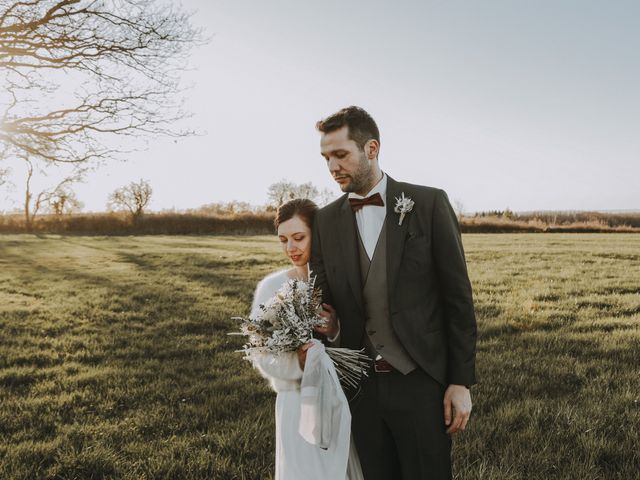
362	127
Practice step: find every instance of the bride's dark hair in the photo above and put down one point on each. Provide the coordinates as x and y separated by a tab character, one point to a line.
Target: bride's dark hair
303	207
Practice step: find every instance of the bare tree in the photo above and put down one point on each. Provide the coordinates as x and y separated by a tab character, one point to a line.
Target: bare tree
133	197
459	208
325	197
284	190
4	176
63	200
508	213
280	192
34	203
124	57
307	190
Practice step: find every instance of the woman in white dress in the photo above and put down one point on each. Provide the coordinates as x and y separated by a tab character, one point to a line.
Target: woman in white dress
296	458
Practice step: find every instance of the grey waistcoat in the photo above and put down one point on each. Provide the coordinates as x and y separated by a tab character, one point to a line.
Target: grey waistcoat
380	337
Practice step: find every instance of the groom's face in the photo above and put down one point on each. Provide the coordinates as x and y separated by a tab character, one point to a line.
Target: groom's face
347	163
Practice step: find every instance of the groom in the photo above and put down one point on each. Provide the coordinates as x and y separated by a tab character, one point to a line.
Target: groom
398	280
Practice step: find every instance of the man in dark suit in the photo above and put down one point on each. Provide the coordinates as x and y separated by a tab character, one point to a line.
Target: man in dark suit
388	257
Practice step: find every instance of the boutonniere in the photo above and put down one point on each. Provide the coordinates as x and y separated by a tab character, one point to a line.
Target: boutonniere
403	206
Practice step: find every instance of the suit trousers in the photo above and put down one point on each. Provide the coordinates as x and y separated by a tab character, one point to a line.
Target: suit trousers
398	427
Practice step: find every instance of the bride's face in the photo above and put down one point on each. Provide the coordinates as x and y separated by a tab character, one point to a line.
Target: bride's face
295	238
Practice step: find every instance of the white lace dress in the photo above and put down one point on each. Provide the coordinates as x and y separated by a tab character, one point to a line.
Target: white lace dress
296	459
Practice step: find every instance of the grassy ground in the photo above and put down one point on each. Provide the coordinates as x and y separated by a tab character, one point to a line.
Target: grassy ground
114	361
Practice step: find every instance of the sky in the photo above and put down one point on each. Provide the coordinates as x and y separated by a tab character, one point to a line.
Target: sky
502	103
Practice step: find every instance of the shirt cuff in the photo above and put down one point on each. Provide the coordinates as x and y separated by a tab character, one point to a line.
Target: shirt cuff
333	339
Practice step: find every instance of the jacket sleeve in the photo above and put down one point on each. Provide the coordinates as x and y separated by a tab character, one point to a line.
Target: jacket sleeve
316	263
317	270
455	289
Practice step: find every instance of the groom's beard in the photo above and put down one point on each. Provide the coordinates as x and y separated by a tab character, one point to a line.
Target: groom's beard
361	179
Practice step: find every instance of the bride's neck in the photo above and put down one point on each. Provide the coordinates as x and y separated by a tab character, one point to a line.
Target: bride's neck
301	273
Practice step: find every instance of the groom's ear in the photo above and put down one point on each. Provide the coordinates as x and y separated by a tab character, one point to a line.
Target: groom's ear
371	148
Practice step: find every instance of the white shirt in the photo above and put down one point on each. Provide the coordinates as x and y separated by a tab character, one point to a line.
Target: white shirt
370	218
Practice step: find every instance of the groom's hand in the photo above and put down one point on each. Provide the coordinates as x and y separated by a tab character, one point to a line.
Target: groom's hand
330	328
457	401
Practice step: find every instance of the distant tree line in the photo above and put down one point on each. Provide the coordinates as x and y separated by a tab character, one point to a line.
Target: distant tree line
58	212
127	211
564	218
233	219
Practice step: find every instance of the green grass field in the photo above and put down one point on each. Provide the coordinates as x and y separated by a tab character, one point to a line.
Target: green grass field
115	363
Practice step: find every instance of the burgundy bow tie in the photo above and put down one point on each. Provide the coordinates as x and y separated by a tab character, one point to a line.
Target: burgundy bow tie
358	203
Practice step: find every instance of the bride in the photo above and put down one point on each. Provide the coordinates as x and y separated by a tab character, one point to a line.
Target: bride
296	458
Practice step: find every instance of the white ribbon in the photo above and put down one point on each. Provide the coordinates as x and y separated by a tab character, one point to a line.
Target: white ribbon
321	397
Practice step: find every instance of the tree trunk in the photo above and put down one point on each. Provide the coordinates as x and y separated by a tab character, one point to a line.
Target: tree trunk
27	214
28	219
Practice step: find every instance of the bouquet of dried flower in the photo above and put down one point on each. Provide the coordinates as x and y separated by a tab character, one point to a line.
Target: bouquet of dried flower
286	321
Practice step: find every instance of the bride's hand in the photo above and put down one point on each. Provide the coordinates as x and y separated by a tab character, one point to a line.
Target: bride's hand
302	353
330	327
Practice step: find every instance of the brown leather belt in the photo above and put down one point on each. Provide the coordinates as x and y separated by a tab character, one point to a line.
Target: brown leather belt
382	366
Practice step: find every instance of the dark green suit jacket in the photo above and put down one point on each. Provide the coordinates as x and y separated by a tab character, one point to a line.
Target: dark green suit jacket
430	299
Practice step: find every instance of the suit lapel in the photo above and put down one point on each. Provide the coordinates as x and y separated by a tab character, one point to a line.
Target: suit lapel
396	234
349	243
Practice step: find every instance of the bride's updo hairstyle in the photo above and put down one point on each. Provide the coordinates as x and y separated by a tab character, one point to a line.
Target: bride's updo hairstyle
303	207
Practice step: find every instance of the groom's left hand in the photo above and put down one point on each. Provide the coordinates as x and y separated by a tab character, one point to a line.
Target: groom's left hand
457	400
331	327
